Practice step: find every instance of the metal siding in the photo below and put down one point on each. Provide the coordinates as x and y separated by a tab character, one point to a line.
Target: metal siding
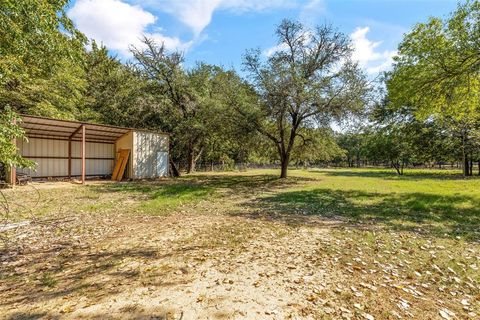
59	148
162	163
45	148
93	166
147	147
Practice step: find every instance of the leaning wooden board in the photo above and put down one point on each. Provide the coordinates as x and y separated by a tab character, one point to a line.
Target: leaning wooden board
121	164
117	166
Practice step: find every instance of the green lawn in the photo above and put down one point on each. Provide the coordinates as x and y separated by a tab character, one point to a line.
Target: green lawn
440	203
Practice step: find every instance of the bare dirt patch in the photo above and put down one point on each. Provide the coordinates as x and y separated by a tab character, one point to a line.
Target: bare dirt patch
197	263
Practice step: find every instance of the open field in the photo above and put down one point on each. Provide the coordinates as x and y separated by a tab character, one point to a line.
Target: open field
322	244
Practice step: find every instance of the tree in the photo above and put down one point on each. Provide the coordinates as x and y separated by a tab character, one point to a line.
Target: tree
318	146
115	93
9	131
228	138
308	82
40	58
40	68
168	80
352	143
437	72
193	105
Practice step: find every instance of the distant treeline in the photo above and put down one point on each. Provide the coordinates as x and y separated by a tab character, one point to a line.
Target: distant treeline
425	110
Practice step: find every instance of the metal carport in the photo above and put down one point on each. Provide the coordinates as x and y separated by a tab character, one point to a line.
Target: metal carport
70	132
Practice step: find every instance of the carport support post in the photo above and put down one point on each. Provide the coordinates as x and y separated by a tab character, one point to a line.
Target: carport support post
70	150
83	154
69	158
13	170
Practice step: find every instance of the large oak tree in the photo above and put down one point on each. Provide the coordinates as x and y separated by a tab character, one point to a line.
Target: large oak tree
308	82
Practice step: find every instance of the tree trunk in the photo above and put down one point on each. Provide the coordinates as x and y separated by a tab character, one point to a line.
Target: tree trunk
284	163
283	174
173	169
466	162
190	162
192	159
470	171
396	165
466	165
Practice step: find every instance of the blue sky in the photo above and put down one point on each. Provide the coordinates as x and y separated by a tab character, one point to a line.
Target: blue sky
219	31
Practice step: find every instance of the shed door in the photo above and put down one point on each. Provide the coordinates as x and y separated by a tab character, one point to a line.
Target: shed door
162	163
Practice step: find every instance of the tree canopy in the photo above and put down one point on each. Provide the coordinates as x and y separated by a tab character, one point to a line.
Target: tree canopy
308	82
40	58
437	74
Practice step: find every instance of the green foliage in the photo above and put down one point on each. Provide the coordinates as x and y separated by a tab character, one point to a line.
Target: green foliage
316	146
39	54
397	138
9	131
194	105
114	94
437	69
437	74
308	82
180	89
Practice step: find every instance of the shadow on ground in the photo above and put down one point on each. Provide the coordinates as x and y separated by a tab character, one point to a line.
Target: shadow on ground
96	316
437	215
60	273
200	186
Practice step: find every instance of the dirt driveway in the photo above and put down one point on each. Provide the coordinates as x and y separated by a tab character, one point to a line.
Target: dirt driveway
199	264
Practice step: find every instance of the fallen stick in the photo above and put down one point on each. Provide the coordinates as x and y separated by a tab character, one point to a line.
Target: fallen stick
10	226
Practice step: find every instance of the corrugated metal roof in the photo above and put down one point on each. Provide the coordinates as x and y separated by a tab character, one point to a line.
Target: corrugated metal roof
40	127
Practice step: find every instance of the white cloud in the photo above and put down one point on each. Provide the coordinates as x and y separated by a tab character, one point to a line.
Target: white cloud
367	54
121	23
197	14
118	25
256	5
279	47
312	11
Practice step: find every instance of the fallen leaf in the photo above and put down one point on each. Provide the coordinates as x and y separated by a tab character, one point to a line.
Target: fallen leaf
368	316
446	314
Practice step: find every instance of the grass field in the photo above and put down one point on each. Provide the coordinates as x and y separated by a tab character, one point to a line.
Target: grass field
322	244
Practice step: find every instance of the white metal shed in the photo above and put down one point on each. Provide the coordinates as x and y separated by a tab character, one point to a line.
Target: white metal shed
149	156
63	148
